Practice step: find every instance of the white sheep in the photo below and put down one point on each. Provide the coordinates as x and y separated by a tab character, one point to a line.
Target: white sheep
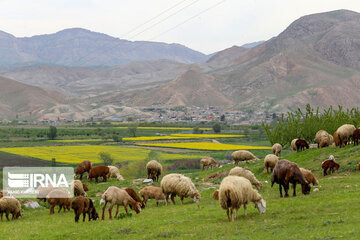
276	148
10	205
236	191
152	192
293	144
154	170
208	162
344	133
323	138
270	161
78	188
177	184
243	155
242	172
117	196
114	173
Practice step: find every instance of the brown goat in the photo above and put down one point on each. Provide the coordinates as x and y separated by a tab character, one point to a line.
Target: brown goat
98	171
286	172
356	136
136	197
82	168
84	205
301	145
329	164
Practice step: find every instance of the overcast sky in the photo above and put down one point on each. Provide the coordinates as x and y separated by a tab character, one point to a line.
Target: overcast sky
232	22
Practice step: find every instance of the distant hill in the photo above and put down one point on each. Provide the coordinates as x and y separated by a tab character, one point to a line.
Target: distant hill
253	44
81	47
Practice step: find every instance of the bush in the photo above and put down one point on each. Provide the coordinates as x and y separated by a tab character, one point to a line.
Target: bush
117	138
106	158
132	131
196	130
217	127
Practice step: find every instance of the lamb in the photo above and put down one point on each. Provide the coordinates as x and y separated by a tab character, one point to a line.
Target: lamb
277	149
286	172
242	172
177	184
84	205
59	197
79	188
243	155
345	132
270	161
83	167
208	162
151	192
330	164
301	145
293	144
154	170
133	194
98	171
216	195
309	176
336	139
236	191
356	136
117	196
323	139
114	173
10	205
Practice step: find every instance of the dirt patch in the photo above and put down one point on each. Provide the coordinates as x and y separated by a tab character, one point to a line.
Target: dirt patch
216	176
11	160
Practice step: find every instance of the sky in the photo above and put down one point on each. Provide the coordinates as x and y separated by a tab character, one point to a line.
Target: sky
203	25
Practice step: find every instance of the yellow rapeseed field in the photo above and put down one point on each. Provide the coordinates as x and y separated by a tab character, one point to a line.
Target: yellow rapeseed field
80	140
204	146
77	154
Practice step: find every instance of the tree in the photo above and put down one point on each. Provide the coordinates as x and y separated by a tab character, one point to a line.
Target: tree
132	131
222	118
217	127
106	158
52	133
117	138
197	130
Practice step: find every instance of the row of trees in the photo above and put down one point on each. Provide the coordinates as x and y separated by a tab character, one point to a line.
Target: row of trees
304	125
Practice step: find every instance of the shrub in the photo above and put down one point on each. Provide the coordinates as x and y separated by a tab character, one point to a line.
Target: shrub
217	127
117	138
132	131
106	158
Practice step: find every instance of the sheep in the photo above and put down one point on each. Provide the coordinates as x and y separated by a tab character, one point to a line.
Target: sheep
117	196
114	173
286	172
152	192
236	191
243	155
242	172
344	133
3	193
208	162
98	171
356	136
42	192
293	144
309	176
133	194
83	167
336	139
277	149
323	139
270	161
79	188
177	184
59	197
301	145
83	205
10	205
154	170
216	195
330	164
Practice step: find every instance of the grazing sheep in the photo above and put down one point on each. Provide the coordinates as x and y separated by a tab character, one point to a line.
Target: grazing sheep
323	139
10	205
330	164
59	197
356	136
309	176
117	196
336	139
82	168
216	195
208	162
345	132
293	144
133	194
243	155
151	192
154	170
84	205
42	192
242	172
78	188
270	161
114	173
301	145
277	149
98	171
236	191
177	184
286	172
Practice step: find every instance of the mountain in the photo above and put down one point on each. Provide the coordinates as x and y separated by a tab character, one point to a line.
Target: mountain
253	44
81	47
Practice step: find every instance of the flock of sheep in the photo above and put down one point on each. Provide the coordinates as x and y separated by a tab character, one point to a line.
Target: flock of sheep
235	189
